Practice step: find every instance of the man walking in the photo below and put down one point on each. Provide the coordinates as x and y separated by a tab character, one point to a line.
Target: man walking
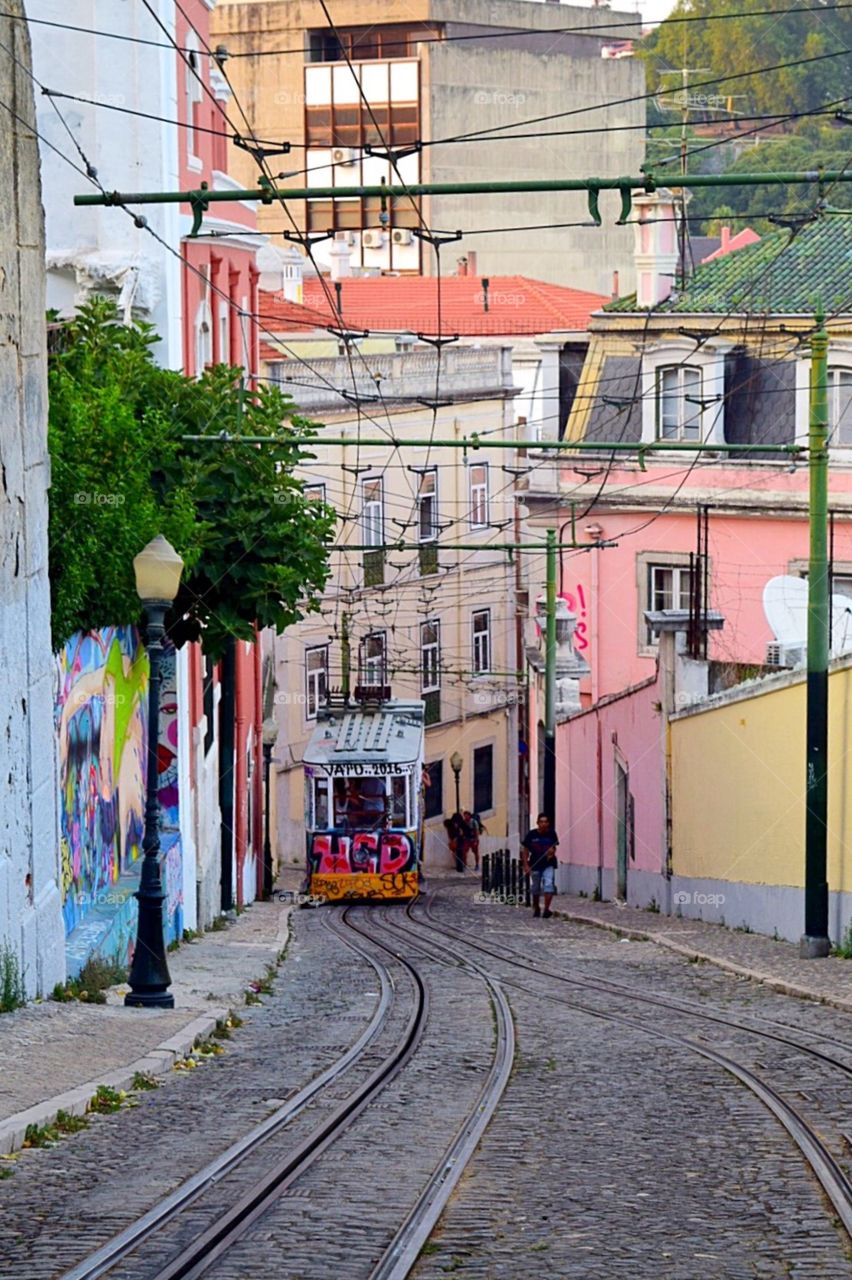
539	862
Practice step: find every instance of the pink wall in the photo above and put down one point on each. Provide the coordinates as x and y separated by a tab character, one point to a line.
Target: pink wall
625	728
745	551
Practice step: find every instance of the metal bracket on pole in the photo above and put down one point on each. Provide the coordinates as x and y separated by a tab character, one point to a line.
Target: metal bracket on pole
392	154
436	238
199	205
258	152
305	239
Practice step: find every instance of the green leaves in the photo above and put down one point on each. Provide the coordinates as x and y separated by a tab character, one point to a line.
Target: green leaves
252	544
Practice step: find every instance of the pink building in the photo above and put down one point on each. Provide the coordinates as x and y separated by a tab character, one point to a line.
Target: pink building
722	362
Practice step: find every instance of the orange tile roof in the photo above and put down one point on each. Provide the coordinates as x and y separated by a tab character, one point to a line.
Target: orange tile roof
516	305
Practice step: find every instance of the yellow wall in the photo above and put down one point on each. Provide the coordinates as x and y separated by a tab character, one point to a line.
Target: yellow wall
738	788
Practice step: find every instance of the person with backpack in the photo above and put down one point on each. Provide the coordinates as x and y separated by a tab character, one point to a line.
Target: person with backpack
539	862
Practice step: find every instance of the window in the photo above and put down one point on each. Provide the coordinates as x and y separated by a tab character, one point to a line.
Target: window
478	480
314	492
430	669
669	587
433	803
373	522
840	405
203	339
679	403
483	779
373	659
193	93
207	693
481	641
427	506
316	679
427	521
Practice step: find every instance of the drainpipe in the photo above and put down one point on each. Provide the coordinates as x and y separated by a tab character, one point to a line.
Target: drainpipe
599	799
595	533
226	774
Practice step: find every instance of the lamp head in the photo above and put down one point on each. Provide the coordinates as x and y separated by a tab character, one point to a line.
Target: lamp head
158	568
456	762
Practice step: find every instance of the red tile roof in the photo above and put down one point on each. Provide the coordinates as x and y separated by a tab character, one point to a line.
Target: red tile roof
516	305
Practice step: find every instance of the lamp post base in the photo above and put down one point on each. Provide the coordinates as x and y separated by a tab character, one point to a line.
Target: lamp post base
150	999
813	948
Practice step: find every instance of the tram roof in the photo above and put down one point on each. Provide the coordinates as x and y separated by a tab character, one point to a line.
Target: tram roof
390	732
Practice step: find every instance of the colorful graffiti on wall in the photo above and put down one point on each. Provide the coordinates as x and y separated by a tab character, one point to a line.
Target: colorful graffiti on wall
101	721
363	864
100	718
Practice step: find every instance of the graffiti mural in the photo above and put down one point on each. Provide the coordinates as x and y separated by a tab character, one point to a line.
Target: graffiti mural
101	722
363	864
576	601
100	719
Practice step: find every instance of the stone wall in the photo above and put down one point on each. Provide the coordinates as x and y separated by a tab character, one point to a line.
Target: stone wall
30	902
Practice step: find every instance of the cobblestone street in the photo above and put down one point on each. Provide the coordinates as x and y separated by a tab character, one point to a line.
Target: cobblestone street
615	1149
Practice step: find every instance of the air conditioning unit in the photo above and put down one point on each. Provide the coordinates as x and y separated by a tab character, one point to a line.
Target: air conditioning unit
374	238
785	655
342	155
401	235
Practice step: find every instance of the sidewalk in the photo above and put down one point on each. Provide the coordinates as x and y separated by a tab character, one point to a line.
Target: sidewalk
750	955
53	1056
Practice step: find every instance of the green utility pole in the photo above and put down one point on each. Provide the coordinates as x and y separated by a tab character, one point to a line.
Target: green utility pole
815	942
550	684
345	655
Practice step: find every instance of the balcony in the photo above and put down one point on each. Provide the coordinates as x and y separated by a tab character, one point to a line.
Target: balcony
374	568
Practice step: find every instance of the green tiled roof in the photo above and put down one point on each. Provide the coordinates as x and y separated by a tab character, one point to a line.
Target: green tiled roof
776	276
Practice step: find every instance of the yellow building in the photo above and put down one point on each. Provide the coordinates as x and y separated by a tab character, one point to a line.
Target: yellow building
738	804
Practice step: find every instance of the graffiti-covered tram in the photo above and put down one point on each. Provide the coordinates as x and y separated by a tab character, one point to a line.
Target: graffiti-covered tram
364	800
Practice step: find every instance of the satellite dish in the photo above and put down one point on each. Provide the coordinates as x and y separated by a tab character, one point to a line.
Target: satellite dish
785	603
841	624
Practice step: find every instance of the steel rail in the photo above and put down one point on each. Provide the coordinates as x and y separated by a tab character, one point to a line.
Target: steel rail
617	989
402	1253
207	1248
103	1260
832	1178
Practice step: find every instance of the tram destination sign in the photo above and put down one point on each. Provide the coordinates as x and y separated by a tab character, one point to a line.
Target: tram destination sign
367	768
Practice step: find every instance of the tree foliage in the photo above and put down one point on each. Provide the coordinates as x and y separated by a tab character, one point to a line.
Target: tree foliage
253	544
740	45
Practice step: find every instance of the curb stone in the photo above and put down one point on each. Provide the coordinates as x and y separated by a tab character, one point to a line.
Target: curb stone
157	1061
730	966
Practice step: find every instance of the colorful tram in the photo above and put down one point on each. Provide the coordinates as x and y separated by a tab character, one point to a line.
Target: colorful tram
364	800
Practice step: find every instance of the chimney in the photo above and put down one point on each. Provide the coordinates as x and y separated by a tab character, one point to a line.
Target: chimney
341	267
281	271
655	246
726	239
471	264
614	285
462	267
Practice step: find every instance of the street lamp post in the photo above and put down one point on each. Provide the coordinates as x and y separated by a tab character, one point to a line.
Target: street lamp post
456	763
158	569
270	735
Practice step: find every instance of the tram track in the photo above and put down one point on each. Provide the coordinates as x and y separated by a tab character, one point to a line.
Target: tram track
195	1259
833	1180
208	1246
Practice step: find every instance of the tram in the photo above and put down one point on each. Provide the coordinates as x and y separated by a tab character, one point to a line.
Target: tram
364	800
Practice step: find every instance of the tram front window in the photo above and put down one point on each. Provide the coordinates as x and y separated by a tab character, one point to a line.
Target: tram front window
360	803
399	814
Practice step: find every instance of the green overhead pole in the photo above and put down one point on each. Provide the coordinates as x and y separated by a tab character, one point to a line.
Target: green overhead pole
345	656
815	942
550	683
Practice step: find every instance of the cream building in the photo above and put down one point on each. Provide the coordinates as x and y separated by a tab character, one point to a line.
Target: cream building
423	596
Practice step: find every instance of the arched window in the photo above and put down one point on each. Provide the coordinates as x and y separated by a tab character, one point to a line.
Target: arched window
679	402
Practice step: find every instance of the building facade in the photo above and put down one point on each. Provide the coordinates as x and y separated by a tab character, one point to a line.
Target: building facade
423	592
151	112
31	933
395	76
